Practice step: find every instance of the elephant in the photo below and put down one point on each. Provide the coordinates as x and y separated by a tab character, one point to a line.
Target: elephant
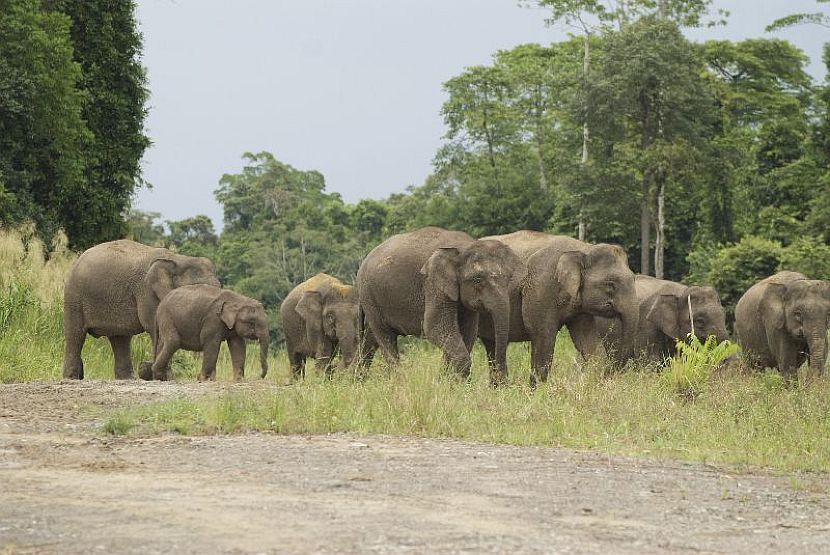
781	320
665	317
319	316
114	289
568	282
200	318
434	283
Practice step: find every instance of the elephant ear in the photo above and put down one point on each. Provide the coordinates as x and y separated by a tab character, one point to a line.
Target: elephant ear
663	313
440	270
310	308
159	276
228	311
772	305
568	276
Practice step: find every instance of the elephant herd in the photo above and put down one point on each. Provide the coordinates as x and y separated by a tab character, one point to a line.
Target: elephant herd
442	285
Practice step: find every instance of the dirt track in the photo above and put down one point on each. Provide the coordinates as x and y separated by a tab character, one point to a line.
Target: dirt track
67	488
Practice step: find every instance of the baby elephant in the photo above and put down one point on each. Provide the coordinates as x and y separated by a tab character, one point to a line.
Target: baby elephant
199	318
319	316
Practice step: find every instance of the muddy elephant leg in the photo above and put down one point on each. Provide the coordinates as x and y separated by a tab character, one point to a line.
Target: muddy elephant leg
236	345
584	335
121	352
74	335
541	355
161	364
210	354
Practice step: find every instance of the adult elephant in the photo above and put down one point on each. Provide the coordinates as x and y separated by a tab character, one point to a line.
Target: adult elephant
568	283
667	312
435	283
113	291
320	316
782	320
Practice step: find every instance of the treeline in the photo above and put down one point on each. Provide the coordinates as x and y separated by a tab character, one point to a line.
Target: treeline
72	110
707	162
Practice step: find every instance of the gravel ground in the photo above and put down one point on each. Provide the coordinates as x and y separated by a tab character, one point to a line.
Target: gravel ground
67	488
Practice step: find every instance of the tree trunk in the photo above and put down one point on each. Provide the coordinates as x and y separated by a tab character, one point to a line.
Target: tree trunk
586	131
645	226
660	237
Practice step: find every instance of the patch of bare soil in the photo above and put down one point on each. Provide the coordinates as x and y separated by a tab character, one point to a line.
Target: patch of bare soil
67	488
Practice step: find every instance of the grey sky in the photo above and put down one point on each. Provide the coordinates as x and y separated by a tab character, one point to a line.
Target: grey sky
351	88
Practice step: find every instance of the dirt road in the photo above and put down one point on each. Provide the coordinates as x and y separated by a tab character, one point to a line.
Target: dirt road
67	488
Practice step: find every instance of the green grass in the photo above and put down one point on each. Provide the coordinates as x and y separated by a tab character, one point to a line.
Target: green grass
684	409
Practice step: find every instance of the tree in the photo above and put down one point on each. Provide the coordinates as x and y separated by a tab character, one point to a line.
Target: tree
652	106
107	45
144	227
43	134
814	18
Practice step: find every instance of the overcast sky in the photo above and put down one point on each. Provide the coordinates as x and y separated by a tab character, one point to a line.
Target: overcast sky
351	88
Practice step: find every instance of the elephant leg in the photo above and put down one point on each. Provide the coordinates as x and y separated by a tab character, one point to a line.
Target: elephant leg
210	354
585	337
385	337
490	348
74	335
541	355
236	345
297	362
161	364
367	351
121	352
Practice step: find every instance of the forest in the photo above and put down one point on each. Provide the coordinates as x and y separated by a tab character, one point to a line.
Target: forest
707	162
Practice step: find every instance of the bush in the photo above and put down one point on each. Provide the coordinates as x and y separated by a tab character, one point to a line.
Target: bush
809	256
688	373
736	268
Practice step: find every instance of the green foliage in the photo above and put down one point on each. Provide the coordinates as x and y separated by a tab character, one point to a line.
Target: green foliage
809	256
688	373
43	134
735	268
71	116
144	227
107	46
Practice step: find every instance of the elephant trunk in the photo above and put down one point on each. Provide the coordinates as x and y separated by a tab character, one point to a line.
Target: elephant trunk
348	349
629	333
501	328
264	342
818	352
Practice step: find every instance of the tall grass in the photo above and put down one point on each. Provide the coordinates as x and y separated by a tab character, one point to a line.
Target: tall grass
734	419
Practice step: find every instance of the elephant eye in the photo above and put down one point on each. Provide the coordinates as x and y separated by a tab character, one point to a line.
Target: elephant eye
477	278
797	317
611	286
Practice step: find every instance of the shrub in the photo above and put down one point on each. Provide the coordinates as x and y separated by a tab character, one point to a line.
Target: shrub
809	256
736	268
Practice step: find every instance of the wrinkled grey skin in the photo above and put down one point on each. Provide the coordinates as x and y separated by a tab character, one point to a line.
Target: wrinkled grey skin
782	320
199	318
664	317
435	283
113	290
568	283
320	316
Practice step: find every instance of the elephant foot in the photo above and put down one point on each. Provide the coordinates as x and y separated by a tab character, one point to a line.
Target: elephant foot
145	370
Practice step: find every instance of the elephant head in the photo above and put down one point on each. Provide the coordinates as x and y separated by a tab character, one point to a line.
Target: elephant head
331	314
598	281
479	277
670	313
247	318
175	270
802	309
